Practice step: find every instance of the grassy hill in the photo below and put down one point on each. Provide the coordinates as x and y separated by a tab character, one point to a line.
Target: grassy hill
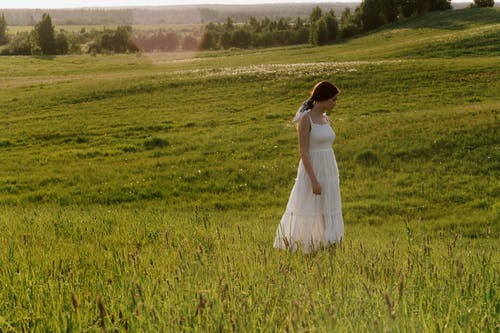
151	185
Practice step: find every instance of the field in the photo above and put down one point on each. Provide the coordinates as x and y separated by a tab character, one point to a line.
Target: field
142	192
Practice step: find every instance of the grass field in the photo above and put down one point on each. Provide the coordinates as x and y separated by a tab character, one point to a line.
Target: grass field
142	192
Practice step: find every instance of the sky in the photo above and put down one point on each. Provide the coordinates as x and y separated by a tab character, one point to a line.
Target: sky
137	3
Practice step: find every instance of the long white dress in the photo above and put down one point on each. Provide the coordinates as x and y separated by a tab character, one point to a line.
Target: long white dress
311	221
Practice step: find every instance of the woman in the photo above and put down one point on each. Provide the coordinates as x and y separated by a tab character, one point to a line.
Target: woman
313	215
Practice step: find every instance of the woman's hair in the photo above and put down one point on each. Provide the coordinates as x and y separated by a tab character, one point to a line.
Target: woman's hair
323	90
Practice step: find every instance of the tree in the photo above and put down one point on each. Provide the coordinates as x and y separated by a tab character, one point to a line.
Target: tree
3	30
229	24
265	22
418	7
74	44
439	4
120	39
283	24
348	24
106	42
241	38
62	45
208	41
299	23
319	32
389	10
315	15
408	7
225	40
371	17
45	36
346	18
332	26
302	35
484	3
254	24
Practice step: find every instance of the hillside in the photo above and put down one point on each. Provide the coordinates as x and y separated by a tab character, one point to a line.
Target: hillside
468	32
142	192
80	129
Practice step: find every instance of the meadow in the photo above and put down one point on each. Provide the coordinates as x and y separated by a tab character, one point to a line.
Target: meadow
142	192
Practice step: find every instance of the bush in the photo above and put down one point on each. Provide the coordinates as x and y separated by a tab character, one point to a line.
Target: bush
367	158
349	31
22	44
62	45
5	143
155	143
109	41
484	3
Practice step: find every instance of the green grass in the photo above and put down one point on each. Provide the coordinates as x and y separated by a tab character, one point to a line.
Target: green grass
157	271
153	184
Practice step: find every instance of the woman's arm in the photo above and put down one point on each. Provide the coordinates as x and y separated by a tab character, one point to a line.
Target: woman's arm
303	132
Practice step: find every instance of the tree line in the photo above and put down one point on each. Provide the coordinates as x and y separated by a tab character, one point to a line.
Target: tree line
43	40
321	27
176	14
163	40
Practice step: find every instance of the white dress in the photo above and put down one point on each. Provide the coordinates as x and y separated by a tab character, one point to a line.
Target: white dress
311	221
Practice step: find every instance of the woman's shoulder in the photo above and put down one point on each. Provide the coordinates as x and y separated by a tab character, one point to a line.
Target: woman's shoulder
304	121
305	117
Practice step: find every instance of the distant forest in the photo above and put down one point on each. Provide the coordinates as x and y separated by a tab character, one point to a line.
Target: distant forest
210	27
193	14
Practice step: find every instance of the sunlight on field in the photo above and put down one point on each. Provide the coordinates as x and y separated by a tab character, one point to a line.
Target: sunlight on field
172	57
274	69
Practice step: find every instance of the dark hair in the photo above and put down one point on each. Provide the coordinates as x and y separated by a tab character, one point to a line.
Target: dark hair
323	90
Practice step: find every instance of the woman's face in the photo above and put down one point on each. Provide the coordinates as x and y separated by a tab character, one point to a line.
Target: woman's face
329	104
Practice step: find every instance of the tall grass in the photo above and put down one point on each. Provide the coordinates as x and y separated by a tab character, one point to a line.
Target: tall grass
147	269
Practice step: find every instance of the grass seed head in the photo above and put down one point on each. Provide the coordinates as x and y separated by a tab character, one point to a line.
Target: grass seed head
390	305
74	302
102	313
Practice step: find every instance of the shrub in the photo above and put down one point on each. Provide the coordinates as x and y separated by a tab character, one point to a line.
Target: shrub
349	31
484	3
62	45
367	158
22	44
155	143
5	143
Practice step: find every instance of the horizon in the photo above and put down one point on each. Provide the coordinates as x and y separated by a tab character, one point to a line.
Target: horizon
91	4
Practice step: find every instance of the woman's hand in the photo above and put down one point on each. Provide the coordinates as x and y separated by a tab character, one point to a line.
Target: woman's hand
316	187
